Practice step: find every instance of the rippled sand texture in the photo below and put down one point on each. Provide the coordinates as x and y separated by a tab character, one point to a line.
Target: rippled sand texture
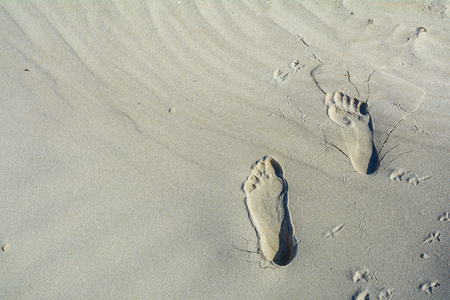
128	128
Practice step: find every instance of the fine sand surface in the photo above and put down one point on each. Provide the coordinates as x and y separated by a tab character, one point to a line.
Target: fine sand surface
132	136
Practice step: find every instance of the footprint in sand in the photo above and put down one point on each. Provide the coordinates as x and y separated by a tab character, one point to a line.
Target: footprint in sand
428	287
354	119
267	204
363	275
364	295
280	76
385	294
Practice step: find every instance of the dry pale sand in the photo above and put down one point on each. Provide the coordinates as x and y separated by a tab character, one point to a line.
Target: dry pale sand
128	129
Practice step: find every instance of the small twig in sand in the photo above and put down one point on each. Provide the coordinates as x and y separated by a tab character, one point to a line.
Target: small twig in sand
349	80
314	78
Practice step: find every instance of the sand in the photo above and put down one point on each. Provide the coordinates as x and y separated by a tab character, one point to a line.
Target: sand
130	127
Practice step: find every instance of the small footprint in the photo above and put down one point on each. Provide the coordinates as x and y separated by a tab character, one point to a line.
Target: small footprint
300	38
385	294
332	232
399	106
428	287
364	295
416	180
434	237
363	274
402	175
445	217
419	129
396	174
280	76
296	65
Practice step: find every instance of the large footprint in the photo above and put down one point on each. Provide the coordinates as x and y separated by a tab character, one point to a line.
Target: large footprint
356	124
266	191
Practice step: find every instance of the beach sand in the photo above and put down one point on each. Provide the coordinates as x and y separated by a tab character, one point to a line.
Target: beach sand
129	129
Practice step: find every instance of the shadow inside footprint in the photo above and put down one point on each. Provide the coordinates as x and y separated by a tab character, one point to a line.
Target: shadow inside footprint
374	162
287	244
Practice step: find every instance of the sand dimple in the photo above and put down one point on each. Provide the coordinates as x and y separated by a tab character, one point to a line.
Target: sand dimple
266	200
353	117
